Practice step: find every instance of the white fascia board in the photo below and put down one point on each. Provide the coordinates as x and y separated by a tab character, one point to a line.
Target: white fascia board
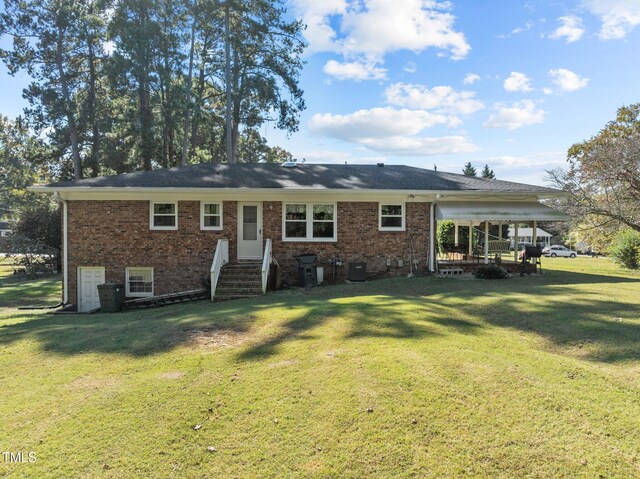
269	194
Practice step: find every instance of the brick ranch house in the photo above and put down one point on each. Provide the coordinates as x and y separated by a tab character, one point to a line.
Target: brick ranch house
164	231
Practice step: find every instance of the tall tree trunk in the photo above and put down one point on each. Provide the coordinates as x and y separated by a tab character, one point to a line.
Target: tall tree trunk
163	107
227	55
237	98
144	98
187	112
95	130
198	100
146	121
71	119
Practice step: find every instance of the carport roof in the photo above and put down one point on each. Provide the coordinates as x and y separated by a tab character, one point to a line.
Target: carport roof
497	211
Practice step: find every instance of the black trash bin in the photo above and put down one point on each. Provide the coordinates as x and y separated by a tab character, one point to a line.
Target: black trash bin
307	270
111	297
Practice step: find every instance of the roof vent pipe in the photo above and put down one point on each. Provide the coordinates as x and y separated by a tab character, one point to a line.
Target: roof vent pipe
380	165
289	164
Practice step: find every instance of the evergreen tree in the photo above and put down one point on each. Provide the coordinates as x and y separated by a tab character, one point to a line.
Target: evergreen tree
46	43
469	170
265	66
488	173
140	84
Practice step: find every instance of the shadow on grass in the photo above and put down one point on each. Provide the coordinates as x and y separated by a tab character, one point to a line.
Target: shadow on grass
561	307
16	291
379	316
136	333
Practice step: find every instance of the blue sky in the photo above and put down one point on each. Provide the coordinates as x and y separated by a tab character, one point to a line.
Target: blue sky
512	84
421	82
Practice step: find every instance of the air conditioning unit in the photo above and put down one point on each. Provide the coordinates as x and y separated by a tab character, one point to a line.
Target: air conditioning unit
357	271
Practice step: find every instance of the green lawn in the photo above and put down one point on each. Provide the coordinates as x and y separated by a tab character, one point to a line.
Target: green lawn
410	377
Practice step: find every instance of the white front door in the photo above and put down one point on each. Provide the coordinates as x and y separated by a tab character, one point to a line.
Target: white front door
250	230
88	281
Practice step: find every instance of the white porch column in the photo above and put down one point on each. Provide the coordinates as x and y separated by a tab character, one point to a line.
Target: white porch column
456	233
486	242
432	238
534	238
470	238
515	242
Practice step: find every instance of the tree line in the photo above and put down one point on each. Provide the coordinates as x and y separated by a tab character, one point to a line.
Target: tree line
602	183
128	85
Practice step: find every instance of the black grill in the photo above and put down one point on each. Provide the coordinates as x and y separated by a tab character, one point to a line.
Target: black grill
533	252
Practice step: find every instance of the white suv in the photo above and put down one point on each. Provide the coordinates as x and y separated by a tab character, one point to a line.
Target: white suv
558	250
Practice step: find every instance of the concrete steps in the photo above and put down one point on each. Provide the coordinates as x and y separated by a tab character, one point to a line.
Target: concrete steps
239	280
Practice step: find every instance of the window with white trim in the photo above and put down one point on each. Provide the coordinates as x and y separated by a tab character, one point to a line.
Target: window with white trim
309	222
139	282
210	216
391	217
163	216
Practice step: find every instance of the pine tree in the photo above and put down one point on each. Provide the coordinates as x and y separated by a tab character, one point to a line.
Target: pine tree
488	173
469	170
47	44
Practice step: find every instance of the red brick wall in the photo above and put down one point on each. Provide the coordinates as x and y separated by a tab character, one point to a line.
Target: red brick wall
116	235
358	240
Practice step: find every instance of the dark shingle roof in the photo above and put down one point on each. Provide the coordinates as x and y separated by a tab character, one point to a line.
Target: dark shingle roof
304	176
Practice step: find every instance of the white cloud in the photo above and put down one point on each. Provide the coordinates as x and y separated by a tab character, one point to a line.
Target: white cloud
381	26
391	131
618	17
339	157
356	70
411	67
567	80
441	99
423	146
471	78
547	91
571	29
376	122
543	159
372	28
517	115
526	27
528	169
316	15
517	82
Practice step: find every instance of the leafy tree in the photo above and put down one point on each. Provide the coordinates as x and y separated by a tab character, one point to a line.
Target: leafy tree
137	36
140	84
23	161
487	173
264	67
45	41
36	233
41	222
603	178
625	249
445	234
469	170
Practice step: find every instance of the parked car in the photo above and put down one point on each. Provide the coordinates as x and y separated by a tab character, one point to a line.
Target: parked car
559	250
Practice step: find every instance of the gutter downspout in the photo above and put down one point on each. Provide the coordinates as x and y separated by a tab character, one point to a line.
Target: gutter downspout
65	249
432	235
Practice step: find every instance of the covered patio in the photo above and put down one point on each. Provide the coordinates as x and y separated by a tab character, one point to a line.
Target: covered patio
481	247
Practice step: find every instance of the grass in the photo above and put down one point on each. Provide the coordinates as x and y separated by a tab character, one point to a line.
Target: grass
17	290
532	377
